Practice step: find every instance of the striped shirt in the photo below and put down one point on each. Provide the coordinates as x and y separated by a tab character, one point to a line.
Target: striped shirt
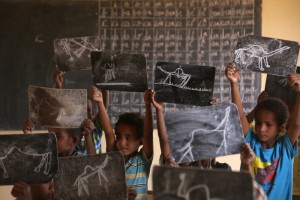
137	171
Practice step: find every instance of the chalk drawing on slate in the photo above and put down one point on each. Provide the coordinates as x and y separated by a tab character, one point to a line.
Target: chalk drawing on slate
191	184
74	53
277	86
267	55
183	83
65	108
91	177
119	71
204	132
37	153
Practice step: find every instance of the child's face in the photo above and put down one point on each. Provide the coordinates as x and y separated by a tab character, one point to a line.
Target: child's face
42	191
266	126
126	140
65	143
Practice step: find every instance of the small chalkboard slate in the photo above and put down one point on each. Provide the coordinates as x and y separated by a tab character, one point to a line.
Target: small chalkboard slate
204	132
74	53
119	71
64	108
194	184
183	83
267	55
91	177
31	158
277	86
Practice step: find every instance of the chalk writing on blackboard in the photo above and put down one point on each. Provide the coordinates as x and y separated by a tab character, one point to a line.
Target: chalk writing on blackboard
245	55
37	153
45	160
74	53
268	55
82	180
211	131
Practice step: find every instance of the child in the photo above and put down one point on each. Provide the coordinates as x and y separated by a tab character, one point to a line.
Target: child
131	132
93	132
273	164
67	139
24	191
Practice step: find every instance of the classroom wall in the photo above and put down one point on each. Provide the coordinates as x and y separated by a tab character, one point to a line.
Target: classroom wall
280	19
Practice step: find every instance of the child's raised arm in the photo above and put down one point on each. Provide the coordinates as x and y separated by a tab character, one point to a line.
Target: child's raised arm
87	129
161	129
148	125
96	96
58	77
294	124
232	74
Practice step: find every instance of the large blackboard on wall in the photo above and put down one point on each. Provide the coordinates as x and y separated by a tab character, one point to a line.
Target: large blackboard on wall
202	32
27	31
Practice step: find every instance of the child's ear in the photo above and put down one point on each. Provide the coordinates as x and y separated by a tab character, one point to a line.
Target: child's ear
282	127
75	140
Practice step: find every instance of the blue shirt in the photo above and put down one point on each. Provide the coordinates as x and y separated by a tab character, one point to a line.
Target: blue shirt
137	170
273	167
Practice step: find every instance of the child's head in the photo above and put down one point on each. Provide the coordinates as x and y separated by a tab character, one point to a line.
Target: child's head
67	139
129	133
271	116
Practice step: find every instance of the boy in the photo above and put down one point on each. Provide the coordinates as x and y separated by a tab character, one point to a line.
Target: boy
273	164
131	131
67	139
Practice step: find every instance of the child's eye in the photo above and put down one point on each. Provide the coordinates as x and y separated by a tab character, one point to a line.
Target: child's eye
129	138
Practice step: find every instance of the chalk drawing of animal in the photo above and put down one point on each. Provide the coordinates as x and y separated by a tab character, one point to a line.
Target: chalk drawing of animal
244	55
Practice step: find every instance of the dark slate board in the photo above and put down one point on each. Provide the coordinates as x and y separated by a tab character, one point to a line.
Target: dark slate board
194	184
267	55
91	177
277	86
28	28
183	83
119	71
64	108
31	158
204	132
74	53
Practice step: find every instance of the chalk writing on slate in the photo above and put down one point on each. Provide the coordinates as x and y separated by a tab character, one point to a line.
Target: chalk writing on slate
31	158
91	177
119	71
65	108
193	184
204	132
185	84
268	55
74	53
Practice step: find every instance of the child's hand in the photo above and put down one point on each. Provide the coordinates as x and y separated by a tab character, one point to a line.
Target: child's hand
95	94
159	106
214	101
131	193
58	77
232	73
22	191
147	96
28	126
294	81
87	127
247	155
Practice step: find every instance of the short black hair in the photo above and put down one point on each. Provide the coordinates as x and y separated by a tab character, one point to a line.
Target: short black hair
134	119
276	106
